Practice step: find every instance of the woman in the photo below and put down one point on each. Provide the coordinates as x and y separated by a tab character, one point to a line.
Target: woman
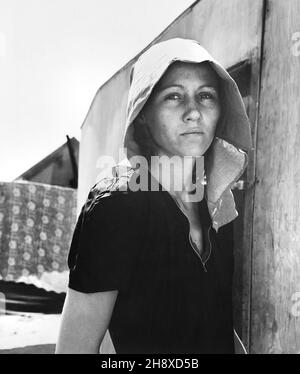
155	265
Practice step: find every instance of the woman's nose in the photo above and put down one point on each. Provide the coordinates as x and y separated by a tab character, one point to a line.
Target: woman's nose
192	112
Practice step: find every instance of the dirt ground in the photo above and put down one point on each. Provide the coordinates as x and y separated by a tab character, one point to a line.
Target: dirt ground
29	333
34	349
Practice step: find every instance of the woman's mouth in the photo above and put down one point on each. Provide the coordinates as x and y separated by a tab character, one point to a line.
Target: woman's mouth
192	133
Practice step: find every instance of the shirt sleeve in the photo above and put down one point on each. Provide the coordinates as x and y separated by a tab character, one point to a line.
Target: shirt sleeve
106	243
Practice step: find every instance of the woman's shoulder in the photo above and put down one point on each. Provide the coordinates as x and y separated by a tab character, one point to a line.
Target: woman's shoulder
113	193
108	237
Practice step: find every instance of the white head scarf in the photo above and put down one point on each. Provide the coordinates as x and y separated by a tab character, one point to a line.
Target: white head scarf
226	160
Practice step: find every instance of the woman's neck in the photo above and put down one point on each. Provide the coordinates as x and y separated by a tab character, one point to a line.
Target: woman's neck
180	176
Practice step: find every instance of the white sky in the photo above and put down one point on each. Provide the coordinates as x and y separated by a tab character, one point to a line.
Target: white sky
54	55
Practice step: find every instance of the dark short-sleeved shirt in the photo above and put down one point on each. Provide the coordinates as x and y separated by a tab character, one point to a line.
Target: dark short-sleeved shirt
138	243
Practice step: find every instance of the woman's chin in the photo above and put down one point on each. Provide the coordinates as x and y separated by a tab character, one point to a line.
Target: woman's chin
194	153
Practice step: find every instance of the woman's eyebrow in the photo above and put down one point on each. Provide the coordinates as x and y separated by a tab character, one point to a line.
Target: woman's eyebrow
162	88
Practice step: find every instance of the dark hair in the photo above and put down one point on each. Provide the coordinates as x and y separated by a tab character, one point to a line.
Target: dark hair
143	138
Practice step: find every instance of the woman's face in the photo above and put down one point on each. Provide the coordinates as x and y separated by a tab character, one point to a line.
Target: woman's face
183	110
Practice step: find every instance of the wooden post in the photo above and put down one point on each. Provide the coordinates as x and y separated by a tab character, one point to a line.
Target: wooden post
275	318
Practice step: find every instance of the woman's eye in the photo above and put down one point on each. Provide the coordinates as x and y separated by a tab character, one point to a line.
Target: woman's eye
207	96
173	97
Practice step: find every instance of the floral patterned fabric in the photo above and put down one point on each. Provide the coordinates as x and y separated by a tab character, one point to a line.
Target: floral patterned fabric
36	227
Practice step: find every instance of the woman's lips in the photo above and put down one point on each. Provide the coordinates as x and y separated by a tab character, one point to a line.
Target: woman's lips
193	133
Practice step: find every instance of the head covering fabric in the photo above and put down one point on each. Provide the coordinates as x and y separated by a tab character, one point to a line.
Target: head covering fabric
227	158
